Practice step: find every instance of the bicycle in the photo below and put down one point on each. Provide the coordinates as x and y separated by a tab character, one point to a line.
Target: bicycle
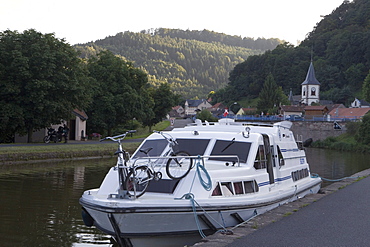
124	171
179	165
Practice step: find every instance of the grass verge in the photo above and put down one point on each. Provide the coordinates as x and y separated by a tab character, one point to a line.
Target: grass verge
32	152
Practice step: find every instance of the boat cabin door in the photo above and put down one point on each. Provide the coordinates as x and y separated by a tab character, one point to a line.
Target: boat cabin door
269	152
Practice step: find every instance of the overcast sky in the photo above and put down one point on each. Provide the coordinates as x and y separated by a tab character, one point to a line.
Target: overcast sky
81	21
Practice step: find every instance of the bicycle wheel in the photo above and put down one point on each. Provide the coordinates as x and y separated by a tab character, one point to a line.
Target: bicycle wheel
137	181
178	168
47	139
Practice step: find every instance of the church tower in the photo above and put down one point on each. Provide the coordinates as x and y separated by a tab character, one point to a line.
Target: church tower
310	88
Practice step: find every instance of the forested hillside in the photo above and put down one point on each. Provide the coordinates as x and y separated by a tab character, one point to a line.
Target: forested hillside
339	47
192	62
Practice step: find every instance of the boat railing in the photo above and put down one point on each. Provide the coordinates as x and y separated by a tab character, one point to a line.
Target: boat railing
194	157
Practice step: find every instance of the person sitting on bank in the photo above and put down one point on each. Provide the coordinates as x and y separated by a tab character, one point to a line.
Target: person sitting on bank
65	133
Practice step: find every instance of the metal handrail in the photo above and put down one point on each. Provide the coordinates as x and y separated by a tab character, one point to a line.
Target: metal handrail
188	157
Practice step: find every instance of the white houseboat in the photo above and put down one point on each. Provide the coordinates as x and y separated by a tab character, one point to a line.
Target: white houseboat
238	170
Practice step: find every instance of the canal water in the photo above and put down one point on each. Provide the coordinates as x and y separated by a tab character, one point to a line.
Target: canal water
39	202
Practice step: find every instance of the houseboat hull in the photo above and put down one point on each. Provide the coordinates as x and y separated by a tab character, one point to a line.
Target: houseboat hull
239	171
157	225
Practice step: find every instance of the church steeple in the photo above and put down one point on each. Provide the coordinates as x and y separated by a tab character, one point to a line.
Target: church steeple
310	87
310	77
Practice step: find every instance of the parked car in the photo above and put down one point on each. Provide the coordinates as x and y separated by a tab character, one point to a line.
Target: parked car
294	118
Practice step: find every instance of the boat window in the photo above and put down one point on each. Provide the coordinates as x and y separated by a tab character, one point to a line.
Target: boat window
297	175
222	147
280	157
217	191
192	146
238	187
235	188
226	189
157	145
261	160
250	186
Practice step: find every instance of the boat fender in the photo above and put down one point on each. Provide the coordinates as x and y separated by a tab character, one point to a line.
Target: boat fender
307	142
86	217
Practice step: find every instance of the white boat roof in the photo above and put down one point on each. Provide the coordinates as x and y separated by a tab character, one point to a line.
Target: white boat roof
229	125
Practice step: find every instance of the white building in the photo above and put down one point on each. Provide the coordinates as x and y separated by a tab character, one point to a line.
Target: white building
310	88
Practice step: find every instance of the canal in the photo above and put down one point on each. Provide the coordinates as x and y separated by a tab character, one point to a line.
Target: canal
39	202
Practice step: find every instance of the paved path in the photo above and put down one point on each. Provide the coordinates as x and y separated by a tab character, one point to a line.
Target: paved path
339	217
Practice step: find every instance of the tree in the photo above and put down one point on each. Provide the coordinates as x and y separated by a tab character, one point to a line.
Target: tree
366	88
206	115
364	130
164	99
120	94
271	95
41	81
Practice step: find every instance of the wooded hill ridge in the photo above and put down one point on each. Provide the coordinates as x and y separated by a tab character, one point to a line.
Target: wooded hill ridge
193	62
338	46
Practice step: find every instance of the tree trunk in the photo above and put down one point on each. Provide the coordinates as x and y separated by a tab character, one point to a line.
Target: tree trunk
30	133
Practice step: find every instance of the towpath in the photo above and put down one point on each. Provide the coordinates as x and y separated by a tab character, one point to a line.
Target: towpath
337	217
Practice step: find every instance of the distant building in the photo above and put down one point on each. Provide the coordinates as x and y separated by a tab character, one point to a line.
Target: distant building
287	110
315	111
193	106
177	112
246	111
358	103
310	88
344	114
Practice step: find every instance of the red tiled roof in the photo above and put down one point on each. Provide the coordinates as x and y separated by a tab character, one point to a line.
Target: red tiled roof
349	112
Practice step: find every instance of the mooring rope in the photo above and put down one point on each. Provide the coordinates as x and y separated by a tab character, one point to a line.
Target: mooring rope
315	175
207	185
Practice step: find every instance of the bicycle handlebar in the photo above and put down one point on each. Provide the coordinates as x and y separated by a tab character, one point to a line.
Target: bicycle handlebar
170	140
114	138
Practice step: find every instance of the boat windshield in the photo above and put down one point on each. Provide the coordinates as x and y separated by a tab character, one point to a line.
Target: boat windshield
232	147
156	145
191	146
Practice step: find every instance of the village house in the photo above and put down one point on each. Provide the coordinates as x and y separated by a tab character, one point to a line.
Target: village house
193	106
217	109
177	112
319	111
347	114
291	110
246	111
76	125
359	103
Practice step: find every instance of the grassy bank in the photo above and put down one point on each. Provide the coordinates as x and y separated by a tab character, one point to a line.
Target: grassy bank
345	142
59	151
36	152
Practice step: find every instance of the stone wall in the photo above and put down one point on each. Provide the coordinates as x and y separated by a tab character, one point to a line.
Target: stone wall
316	130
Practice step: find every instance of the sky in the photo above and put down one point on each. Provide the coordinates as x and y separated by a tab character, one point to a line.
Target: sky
81	21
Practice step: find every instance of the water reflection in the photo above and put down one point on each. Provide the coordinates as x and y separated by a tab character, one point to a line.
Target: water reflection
39	205
39	202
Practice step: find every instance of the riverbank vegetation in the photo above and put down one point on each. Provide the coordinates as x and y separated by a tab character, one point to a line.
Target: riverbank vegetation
76	150
356	139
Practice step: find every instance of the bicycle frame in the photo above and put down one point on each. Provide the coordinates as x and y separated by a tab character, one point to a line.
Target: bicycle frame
122	157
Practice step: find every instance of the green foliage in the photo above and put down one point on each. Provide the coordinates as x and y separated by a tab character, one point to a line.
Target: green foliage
120	93
271	96
340	48
364	130
192	62
164	100
353	128
41	81
206	115
366	88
